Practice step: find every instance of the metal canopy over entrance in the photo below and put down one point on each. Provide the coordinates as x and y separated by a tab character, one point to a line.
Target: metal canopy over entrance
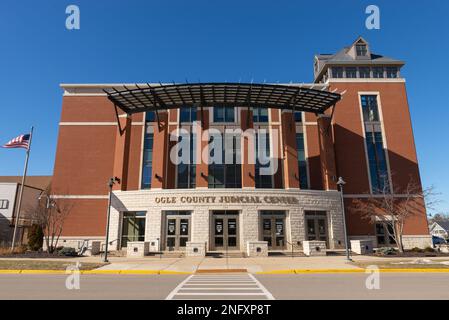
148	97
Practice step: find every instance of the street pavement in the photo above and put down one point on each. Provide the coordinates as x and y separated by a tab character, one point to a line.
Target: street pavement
283	287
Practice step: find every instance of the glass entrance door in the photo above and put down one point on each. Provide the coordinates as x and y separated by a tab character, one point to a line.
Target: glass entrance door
316	224
225	230
177	231
273	229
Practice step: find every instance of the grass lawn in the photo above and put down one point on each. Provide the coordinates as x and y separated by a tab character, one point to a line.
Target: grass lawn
44	265
395	265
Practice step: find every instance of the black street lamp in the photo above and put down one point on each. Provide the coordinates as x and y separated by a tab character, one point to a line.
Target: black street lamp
110	185
340	184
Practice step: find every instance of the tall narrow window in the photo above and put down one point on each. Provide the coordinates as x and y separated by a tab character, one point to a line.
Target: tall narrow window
260	114
298	116
224	114
377	162
377	159
370	108
302	162
221	173
187	114
263	181
147	168
186	172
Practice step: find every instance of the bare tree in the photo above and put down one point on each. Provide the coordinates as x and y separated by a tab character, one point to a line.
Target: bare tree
393	209
51	213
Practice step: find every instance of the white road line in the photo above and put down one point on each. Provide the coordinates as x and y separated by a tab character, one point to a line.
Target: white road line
175	290
221	294
267	293
254	288
196	286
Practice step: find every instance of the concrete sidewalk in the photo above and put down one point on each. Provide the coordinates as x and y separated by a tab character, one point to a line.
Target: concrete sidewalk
252	265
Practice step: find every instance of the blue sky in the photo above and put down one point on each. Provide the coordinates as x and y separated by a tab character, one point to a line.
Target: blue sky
151	41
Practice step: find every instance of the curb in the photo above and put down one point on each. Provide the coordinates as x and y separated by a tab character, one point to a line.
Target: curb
97	272
348	271
167	272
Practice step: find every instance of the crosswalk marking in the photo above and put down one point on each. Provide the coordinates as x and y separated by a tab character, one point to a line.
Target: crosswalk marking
220	287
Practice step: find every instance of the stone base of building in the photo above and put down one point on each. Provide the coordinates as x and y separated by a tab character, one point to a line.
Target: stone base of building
314	248
362	246
196	249
421	242
257	249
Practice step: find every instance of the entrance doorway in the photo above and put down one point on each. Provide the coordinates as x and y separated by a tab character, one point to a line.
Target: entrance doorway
316	226
177	230
273	229
225	230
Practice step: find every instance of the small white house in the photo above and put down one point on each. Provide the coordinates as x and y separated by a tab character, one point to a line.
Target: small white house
9	196
440	229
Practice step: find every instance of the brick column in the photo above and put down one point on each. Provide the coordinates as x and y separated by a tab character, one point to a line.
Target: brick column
248	170
160	152
277	144
171	167
202	169
327	153
121	152
290	167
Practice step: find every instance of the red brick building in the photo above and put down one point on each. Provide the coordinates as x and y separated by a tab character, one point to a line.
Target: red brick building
353	122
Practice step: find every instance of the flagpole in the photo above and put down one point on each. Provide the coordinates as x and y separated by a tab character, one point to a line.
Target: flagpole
21	191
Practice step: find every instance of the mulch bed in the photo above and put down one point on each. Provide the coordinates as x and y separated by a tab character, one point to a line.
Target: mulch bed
35	255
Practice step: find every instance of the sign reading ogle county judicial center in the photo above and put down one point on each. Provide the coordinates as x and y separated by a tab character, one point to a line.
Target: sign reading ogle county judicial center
227	199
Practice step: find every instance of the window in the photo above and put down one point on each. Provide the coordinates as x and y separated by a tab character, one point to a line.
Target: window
147	160
302	162
351	72
384	234
392	72
377	162
225	175
260	114
369	108
224	114
298	116
364	72
187	114
361	50
187	171
378	72
262	180
133	227
150	116
4	204
337	72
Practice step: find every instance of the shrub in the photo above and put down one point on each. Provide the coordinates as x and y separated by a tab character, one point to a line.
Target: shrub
35	238
429	249
68	252
417	250
386	251
6	251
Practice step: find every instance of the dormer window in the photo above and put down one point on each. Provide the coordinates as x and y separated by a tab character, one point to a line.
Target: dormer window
361	50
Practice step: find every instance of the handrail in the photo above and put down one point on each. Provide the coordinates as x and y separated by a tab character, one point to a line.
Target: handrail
292	245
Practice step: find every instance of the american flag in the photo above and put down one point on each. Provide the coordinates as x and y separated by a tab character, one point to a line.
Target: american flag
22	141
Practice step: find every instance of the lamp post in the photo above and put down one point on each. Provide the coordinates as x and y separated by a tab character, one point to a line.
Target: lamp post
110	185
340	184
